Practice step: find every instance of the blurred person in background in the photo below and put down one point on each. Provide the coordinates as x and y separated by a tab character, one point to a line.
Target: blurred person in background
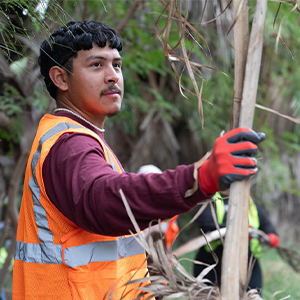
258	219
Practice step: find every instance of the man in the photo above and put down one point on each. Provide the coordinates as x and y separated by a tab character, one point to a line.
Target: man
258	219
72	240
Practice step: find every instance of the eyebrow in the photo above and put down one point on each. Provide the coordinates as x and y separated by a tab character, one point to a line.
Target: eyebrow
92	57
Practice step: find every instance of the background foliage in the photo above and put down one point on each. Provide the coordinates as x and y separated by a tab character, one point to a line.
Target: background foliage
157	124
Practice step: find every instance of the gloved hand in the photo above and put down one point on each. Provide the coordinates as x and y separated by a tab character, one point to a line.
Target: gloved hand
231	159
273	240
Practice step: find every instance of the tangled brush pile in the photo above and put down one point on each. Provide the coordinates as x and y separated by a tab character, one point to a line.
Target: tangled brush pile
168	278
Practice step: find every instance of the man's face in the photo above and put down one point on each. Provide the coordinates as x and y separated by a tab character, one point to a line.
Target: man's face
95	86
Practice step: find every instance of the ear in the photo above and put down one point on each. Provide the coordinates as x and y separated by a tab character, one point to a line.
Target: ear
59	77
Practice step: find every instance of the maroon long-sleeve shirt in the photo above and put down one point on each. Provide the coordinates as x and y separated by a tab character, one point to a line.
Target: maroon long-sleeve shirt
85	188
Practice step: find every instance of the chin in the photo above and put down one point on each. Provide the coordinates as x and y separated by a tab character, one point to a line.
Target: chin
113	113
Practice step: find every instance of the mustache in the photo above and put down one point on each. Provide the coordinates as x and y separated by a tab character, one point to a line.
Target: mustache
111	88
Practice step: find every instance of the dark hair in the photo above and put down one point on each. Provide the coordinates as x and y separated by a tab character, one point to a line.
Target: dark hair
64	43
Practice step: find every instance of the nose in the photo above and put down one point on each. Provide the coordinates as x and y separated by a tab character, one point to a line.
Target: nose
111	76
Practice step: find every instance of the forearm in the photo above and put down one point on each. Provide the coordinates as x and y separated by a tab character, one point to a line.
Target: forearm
84	187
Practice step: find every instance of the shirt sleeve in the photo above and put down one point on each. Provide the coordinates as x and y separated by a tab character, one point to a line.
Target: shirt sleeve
85	188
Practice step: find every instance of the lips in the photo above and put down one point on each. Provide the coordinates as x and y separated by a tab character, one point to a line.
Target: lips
112	90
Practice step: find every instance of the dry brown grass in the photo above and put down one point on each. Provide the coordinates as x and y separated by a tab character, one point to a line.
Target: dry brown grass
169	279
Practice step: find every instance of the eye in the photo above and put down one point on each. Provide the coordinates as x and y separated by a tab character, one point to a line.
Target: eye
117	65
97	64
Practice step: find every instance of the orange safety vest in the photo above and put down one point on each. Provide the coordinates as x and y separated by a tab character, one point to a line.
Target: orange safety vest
172	231
54	258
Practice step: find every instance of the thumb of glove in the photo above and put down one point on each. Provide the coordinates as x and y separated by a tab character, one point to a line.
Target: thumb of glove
261	136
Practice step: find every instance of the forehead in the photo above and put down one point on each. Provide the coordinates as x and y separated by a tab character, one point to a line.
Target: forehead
106	52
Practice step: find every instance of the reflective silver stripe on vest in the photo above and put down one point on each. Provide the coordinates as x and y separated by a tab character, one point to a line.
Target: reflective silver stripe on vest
47	252
79	255
102	251
38	253
111	161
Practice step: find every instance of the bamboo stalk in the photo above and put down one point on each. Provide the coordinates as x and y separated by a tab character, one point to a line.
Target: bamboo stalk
239	191
230	261
246	117
243	257
253	65
231	252
200	241
241	41
247	113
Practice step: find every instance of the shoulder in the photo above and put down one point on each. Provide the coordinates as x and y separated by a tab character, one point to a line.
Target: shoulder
72	146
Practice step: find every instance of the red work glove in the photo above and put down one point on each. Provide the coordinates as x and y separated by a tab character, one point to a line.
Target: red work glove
274	240
231	159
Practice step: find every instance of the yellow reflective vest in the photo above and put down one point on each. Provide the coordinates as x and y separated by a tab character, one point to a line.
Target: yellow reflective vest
253	217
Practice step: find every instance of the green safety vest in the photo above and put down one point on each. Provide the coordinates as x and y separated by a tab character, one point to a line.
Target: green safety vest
255	245
3	255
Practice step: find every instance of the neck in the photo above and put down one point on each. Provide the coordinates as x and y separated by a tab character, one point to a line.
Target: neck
79	116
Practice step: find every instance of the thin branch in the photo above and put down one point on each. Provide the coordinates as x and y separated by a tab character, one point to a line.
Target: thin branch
133	8
4	120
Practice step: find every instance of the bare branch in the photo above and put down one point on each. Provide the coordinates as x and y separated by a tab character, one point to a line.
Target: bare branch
134	6
4	120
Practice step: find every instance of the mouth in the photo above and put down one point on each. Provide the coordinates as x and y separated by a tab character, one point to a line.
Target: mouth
111	91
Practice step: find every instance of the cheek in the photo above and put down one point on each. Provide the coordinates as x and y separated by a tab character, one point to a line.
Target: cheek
121	84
